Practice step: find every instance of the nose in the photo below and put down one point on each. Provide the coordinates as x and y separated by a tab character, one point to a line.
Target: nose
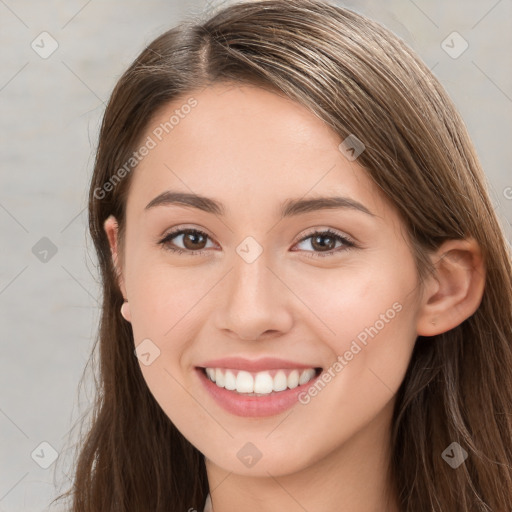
255	302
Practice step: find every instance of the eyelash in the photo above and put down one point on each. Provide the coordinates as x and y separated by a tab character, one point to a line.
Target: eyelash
349	244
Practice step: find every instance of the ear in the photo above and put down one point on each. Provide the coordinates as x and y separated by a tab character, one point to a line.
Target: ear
455	290
111	229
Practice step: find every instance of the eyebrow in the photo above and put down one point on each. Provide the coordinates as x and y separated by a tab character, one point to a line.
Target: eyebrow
289	208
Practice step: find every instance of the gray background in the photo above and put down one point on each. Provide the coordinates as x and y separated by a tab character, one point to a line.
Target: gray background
50	112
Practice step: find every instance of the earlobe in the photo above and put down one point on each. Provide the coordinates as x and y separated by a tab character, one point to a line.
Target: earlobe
111	228
125	311
456	289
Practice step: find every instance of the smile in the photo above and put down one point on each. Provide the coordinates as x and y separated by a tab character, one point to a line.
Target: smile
260	383
276	389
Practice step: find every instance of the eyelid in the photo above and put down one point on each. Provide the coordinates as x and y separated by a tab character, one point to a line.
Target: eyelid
305	234
183	227
178	231
325	229
347	241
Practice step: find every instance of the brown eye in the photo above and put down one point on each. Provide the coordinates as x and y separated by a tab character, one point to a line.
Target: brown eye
193	241
324	243
318	242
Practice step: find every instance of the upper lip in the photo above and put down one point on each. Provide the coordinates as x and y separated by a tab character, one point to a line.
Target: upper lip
254	365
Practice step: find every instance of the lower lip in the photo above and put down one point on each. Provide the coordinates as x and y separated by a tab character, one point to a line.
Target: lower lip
253	406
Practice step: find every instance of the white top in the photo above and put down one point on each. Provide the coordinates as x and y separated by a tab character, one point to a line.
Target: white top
208	504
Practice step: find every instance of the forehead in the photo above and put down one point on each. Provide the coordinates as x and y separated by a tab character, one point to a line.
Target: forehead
246	146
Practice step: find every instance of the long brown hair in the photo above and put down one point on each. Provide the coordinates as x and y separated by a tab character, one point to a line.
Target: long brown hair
360	79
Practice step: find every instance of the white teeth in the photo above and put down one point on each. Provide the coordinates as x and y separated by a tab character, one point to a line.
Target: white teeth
219	377
306	376
230	380
263	383
260	383
244	382
280	381
293	379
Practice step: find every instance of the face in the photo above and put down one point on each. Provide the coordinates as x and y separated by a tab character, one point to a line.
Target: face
269	278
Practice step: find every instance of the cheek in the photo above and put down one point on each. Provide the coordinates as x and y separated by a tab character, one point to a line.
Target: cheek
372	314
165	309
164	300
349	298
367	316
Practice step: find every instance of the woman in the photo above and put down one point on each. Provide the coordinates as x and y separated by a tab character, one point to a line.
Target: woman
307	297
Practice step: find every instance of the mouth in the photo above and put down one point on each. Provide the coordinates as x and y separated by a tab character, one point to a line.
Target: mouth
262	383
256	394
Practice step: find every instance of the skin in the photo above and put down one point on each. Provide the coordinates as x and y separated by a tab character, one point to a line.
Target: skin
252	149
